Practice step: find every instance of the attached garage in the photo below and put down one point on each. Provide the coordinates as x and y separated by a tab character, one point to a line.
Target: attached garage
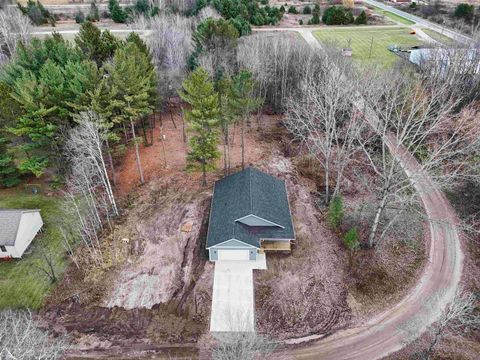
233	254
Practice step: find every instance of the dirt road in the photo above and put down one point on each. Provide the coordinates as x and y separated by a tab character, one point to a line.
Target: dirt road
387	332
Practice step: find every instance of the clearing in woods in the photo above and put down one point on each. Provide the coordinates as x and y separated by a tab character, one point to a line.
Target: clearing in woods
370	45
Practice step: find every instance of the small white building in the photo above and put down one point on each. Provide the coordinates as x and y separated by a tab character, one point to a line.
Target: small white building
18	227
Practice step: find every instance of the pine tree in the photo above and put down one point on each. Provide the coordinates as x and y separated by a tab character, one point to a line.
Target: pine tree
361	19
96	45
8	171
335	212
203	118
117	14
130	74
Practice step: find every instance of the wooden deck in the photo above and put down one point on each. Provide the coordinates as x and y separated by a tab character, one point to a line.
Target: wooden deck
268	245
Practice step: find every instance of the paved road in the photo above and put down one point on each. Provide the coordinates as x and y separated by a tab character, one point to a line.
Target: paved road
383	335
425	23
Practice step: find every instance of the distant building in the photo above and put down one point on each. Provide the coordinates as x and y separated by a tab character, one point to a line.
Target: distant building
17	230
441	59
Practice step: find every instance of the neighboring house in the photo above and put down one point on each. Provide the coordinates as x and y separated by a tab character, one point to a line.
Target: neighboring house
17	230
250	214
466	61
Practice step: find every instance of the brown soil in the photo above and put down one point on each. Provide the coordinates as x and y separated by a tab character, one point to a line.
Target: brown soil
157	289
303	292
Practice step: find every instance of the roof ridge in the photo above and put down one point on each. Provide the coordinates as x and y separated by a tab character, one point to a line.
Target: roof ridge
250	188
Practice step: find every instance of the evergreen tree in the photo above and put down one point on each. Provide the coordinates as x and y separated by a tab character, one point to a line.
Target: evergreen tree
350	239
117	14
10	112
46	78
8	171
94	14
307	10
361	19
203	118
96	45
133	78
335	212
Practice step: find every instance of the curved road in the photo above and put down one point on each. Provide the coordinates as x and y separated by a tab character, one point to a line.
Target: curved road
385	333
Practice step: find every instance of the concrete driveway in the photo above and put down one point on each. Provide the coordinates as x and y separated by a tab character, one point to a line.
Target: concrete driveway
233	302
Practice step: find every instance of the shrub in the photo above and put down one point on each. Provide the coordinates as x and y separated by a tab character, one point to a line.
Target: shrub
465	11
243	26
361	19
94	14
307	10
337	15
351	239
247	9
300	22
264	2
282	9
315	20
413	5
79	17
292	10
37	13
142	7
335	212
117	14
316	10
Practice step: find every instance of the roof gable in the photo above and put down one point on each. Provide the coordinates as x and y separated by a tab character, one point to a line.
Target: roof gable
9	223
232	243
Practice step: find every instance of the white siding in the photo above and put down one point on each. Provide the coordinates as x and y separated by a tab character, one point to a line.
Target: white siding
239	254
11	252
30	225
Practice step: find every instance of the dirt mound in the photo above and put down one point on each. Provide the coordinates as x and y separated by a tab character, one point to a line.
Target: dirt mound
168	230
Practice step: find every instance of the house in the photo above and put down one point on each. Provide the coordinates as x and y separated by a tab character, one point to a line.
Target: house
443	60
17	230
250	214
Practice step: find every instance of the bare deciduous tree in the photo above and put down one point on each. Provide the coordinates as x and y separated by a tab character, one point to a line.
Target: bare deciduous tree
321	116
415	118
458	317
278	63
89	197
14	28
22	339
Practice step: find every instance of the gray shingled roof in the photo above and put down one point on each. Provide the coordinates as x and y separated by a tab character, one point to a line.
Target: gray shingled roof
9	222
249	192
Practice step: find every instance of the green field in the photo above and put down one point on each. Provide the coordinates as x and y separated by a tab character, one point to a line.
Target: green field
392	16
22	284
370	45
445	40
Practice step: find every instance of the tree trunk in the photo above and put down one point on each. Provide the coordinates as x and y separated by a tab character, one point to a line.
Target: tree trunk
327	183
163	145
110	160
137	153
243	144
376	221
204	177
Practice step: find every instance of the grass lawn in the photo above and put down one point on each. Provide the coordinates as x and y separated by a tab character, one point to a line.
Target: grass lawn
22	284
445	40
392	16
361	42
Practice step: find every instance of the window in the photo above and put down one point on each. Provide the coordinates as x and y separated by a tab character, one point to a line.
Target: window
3	248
